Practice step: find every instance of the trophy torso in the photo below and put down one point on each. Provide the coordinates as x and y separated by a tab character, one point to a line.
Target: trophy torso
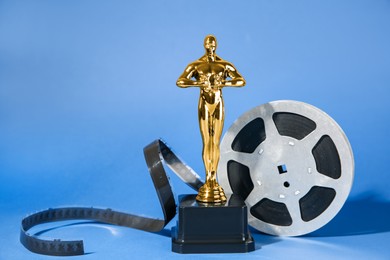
213	74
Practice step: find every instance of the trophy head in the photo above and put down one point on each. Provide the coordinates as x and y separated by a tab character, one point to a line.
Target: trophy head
210	45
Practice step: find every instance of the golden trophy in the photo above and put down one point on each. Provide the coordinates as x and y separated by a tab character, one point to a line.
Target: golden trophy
211	222
210	73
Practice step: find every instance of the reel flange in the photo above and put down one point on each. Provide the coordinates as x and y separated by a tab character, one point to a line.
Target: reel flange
291	162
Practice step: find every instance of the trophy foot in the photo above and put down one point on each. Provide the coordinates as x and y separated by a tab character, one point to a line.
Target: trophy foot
211	194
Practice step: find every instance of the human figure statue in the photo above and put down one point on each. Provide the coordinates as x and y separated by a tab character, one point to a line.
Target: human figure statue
210	73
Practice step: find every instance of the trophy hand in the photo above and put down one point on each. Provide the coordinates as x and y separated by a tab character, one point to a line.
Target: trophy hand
204	84
216	82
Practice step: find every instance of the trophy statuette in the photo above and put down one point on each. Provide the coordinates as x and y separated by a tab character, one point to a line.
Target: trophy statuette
211	222
210	73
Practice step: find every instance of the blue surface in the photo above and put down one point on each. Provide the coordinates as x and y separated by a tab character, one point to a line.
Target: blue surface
85	85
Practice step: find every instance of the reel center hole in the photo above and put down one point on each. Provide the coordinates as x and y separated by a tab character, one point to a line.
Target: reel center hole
286	184
282	168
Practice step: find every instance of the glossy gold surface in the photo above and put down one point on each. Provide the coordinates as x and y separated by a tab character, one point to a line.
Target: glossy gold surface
210	73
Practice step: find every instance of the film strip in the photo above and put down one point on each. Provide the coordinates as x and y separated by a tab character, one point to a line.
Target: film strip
157	154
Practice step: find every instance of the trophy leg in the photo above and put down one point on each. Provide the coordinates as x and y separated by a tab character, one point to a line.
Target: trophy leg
211	118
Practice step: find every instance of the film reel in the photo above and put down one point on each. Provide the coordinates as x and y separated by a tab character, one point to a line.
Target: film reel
292	164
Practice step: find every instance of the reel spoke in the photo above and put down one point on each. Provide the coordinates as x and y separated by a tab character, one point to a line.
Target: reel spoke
312	139
243	158
295	212
271	131
254	195
325	181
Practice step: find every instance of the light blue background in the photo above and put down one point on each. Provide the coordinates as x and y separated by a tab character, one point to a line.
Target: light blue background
85	85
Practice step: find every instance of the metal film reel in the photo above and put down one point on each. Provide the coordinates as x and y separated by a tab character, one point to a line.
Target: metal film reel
292	164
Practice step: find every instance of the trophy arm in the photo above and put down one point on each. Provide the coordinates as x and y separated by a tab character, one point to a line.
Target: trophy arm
185	79
236	80
185	83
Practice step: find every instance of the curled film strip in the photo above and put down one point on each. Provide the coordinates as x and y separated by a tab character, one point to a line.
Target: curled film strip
156	155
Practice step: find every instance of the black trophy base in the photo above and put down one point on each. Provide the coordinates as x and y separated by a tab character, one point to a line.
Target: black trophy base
210	228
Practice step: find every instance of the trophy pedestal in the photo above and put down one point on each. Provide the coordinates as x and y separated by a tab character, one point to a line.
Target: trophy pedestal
212	228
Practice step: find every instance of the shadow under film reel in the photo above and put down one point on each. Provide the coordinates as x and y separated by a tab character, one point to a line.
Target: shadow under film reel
291	162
